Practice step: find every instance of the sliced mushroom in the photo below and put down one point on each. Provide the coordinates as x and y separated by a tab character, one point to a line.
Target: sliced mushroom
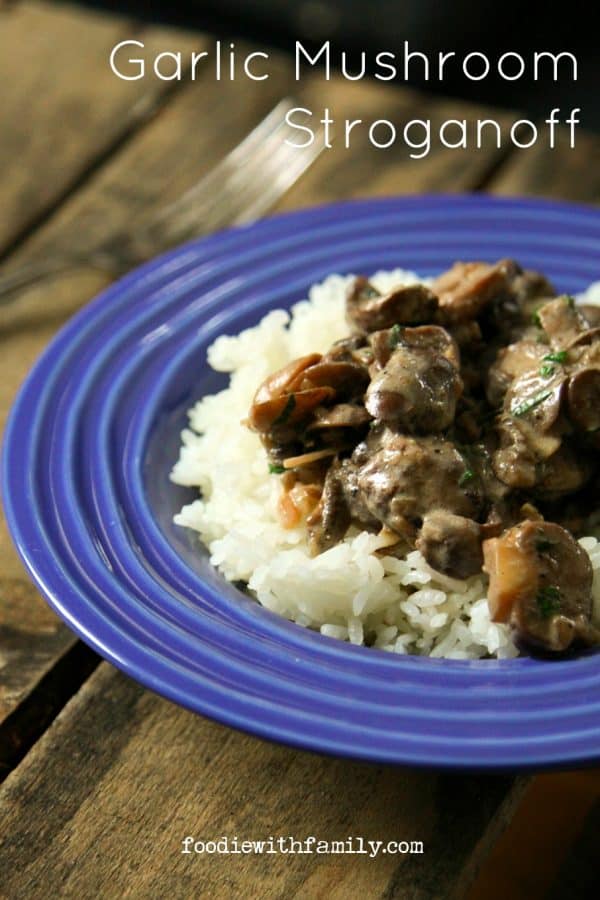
292	394
341	503
584	399
515	462
342	415
418	386
523	446
331	519
564	472
348	379
287	409
346	349
541	583
367	310
282	381
466	289
536	399
514	361
529	285
451	544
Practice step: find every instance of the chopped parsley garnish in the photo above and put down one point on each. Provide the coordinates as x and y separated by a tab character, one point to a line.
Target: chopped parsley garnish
558	357
528	405
394	336
276	469
547	370
535	318
570	301
548	600
467	476
286	412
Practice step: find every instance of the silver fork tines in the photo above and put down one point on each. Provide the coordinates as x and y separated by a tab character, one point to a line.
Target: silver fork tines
244	185
241	188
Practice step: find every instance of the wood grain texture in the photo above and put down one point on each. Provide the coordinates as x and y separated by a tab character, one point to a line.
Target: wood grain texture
57	121
163	158
101	804
548	843
578	876
362	170
559	174
189	136
65	108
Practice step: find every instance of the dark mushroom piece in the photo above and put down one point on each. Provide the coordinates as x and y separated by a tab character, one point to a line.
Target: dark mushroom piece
288	399
331	519
451	544
341	503
342	415
529	429
510	316
274	400
541	584
585	346
417	388
367	310
341	426
400	479
466	289
345	349
584	399
348	379
514	361
528	286
563	473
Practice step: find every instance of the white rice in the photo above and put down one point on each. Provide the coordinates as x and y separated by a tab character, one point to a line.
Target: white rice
348	592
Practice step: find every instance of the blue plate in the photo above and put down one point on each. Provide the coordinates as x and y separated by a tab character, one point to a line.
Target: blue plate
95	431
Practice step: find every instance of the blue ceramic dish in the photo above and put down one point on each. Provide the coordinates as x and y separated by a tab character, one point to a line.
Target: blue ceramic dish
95	431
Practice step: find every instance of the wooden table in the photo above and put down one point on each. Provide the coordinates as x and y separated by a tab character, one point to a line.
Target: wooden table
102	778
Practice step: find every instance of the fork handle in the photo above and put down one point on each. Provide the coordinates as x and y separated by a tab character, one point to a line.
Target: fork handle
27	275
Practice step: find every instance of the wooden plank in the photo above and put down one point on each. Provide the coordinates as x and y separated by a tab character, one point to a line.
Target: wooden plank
578	877
162	161
559	174
546	843
154	168
365	171
180	145
102	803
63	108
72	120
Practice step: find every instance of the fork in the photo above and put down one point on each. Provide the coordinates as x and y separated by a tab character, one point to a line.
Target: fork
238	190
